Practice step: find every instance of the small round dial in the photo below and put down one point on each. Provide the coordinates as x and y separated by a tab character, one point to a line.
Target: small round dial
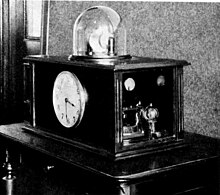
129	84
69	98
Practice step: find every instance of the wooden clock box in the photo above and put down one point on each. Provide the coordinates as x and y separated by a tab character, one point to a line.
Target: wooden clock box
130	107
101	99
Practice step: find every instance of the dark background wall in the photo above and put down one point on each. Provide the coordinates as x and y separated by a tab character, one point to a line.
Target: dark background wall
189	31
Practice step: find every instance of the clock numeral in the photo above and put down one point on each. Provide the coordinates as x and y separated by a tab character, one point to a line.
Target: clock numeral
59	87
61	83
78	92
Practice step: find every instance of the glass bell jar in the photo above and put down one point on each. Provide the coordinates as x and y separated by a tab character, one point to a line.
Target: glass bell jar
98	33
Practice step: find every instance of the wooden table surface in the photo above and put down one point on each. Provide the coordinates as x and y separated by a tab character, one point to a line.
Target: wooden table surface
198	148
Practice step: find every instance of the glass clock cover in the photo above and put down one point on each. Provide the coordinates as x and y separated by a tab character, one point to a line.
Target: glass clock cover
98	32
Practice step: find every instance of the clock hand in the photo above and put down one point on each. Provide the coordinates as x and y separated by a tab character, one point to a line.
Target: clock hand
67	101
66	107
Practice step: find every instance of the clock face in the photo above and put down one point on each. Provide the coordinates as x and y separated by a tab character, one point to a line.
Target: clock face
69	98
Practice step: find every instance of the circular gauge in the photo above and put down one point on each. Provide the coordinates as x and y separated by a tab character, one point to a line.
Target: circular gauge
129	84
161	80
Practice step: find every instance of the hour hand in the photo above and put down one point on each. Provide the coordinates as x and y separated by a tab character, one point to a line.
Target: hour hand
67	101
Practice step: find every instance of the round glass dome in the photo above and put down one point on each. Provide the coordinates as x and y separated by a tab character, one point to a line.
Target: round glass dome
98	32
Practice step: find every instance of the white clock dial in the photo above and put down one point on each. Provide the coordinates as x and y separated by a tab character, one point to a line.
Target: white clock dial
129	84
69	98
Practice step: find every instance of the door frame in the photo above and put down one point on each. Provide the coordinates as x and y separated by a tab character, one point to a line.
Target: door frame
12	52
13	48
